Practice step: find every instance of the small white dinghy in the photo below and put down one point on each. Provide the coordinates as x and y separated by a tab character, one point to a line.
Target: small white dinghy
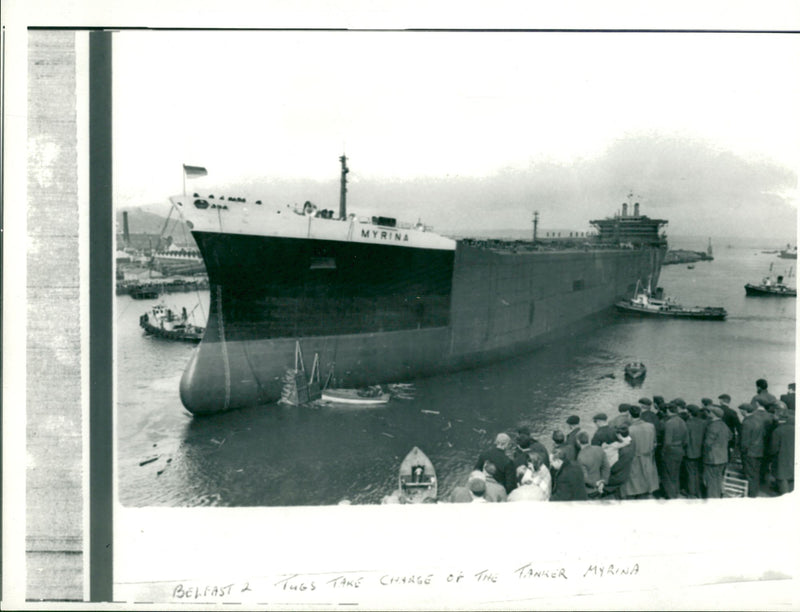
371	396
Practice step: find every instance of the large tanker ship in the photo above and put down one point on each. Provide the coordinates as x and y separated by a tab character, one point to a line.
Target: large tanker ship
384	302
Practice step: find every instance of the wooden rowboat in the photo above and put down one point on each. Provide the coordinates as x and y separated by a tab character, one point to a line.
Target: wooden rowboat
417	478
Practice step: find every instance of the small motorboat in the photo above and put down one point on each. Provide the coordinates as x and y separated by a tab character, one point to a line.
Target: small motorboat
769	287
690	266
163	322
371	396
417	478
635	372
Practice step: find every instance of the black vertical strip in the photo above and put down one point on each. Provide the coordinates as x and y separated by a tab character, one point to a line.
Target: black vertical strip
100	320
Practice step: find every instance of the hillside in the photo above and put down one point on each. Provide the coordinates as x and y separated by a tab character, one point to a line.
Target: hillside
146	224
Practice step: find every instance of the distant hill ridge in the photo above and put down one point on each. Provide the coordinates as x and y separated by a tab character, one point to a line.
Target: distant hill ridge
142	223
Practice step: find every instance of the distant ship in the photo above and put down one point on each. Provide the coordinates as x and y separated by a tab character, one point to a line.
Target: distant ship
790	252
175	260
386	302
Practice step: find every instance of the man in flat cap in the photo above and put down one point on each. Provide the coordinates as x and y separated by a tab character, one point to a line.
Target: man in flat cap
623	418
643	480
715	452
506	472
695	432
526	445
731	418
651	417
752	448
604	434
568	479
676	441
574	422
763	397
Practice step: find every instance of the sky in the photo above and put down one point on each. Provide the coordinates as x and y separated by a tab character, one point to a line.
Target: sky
469	130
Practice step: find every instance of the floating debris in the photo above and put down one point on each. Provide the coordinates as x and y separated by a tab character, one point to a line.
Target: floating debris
388	435
429	411
449	426
159	472
480	431
150	460
215	441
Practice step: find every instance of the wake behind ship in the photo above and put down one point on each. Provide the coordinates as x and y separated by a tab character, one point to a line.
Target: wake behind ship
378	301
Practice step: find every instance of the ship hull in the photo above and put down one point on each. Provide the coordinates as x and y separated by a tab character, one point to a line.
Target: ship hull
433	311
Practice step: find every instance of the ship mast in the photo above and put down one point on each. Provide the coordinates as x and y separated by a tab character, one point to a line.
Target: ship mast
343	189
535	223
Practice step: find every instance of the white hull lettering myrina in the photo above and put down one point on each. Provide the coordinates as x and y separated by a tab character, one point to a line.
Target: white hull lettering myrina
382	302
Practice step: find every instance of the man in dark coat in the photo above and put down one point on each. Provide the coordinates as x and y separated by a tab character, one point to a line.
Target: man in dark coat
623	418
731	419
506	471
594	464
676	440
762	396
647	414
715	452
621	469
571	444
527	445
752	448
782	449
764	410
695	430
788	397
605	433
568	482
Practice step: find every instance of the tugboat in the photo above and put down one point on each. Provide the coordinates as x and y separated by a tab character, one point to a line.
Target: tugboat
163	322
769	287
645	303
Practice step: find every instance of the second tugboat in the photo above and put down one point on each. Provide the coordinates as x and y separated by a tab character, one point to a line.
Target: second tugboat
769	287
645	303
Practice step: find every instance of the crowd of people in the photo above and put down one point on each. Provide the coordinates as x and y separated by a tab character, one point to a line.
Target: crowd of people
655	448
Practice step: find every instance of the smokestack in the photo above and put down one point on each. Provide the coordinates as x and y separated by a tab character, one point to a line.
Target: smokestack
624	209
126	235
636	209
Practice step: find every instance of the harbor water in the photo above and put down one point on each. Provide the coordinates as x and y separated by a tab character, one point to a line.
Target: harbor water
279	455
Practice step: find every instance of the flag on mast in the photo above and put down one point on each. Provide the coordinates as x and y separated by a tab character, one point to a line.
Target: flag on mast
194	171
